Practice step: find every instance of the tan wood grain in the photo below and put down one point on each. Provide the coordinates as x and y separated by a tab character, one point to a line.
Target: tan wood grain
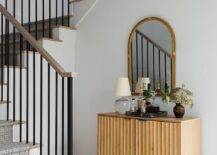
155	138
159	138
167	136
137	137
143	137
98	135
133	137
130	136
171	119
115	136
190	137
148	137
122	137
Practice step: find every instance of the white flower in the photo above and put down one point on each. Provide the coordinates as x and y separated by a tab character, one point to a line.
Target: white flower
183	96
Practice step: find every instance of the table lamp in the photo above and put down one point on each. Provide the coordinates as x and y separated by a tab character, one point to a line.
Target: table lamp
122	91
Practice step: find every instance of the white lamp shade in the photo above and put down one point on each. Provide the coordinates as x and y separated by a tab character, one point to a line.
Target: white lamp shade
142	82
122	87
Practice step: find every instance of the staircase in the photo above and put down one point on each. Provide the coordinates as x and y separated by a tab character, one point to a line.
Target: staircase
36	93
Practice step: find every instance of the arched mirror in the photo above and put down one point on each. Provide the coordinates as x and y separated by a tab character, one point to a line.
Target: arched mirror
151	53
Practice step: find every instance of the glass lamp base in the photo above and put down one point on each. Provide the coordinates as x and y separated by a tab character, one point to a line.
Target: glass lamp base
122	105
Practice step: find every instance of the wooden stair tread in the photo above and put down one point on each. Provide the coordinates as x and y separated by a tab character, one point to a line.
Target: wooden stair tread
50	39
66	27
4	102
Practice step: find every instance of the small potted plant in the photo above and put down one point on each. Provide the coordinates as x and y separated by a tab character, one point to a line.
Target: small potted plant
181	97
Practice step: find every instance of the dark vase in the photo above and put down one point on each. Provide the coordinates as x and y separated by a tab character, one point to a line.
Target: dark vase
179	111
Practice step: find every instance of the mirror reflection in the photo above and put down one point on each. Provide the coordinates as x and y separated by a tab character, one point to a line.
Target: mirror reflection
151	58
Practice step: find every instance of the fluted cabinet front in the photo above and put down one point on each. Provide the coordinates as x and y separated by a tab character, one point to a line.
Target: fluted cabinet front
157	138
121	135
116	136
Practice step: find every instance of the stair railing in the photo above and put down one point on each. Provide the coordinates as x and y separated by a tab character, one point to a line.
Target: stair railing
32	88
40	15
154	55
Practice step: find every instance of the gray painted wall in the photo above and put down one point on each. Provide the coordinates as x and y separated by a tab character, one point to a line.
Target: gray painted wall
102	57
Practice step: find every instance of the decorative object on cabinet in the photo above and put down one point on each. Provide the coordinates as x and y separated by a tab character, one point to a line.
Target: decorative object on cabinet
123	135
122	90
181	97
142	85
145	106
152	53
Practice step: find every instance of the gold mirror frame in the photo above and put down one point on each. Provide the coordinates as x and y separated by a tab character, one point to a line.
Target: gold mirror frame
172	33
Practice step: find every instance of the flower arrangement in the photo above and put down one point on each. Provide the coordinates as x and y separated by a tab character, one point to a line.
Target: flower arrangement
180	96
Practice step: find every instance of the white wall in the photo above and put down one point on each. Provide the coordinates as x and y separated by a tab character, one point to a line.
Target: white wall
81	9
102	57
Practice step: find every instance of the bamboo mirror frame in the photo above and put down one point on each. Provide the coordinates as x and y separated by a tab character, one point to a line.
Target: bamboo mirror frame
172	54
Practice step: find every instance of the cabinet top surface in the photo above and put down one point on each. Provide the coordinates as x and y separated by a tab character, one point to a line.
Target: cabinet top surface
161	119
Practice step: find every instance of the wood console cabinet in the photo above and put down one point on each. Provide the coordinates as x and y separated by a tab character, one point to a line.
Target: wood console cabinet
123	135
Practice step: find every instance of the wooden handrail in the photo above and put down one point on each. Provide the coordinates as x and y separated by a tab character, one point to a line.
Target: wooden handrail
154	43
57	67
73	1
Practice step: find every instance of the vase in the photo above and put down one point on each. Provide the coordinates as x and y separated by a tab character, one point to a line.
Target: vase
122	105
179	111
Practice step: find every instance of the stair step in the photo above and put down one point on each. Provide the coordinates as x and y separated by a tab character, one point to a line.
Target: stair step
4	123
45	38
46	23
16	147
6	131
16	45
4	102
4	84
33	30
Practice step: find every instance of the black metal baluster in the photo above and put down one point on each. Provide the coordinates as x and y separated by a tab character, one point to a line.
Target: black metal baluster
21	49
70	115
6	4
27	94
36	19
7	48
147	50
56	116
2	57
29	14
63	112
22	12
154	67
41	103
137	58
171	70
27	75
34	96
142	56
21	74
62	12
43	16
159	66
165	67
56	12
14	63
132	71
49	18
68	20
48	139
